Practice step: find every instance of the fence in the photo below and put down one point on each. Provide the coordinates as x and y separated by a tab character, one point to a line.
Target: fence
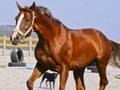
5	44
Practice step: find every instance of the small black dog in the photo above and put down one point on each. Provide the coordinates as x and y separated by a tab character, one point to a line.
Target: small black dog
50	77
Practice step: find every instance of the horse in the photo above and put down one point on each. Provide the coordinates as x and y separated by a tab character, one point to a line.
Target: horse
60	48
50	77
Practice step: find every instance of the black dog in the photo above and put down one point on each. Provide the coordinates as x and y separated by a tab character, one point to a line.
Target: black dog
50	77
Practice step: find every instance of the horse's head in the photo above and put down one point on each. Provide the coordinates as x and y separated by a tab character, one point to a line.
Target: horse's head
28	19
24	24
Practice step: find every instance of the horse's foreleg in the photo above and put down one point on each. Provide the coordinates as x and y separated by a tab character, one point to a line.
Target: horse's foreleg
79	78
63	77
38	71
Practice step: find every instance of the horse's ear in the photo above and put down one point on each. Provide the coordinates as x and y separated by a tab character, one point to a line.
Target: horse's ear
19	6
33	6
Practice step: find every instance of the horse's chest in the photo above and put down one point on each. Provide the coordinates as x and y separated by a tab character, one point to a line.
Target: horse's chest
44	58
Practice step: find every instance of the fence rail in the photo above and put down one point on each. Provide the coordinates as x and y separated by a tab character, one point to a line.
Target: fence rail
6	43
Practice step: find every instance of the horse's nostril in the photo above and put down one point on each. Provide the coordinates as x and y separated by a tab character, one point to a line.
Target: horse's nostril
16	39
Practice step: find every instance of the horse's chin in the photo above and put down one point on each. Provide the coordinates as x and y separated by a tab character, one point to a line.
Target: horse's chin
18	42
22	41
15	43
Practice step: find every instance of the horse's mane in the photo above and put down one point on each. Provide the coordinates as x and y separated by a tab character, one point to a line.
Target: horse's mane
45	11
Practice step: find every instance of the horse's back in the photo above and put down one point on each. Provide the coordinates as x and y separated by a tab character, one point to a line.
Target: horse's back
105	47
101	43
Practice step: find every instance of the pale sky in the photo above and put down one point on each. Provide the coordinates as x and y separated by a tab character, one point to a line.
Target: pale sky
103	15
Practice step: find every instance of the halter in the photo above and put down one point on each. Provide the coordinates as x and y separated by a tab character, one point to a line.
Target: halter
30	28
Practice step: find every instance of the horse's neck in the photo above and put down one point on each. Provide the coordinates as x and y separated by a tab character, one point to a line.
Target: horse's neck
46	28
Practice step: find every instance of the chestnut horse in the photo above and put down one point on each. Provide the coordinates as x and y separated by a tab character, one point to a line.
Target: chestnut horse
61	49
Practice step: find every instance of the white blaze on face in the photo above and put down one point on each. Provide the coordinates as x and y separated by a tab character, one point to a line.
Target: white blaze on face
17	28
19	21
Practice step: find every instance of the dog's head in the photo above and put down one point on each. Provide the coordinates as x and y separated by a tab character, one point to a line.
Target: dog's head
55	75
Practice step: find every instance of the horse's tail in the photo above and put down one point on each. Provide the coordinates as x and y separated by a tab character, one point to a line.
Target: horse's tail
115	55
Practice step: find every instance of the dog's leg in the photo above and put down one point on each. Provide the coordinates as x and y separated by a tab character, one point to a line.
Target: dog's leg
41	83
53	84
42	79
50	85
46	83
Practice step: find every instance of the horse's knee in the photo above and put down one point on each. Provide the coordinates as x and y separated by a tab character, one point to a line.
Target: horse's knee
29	85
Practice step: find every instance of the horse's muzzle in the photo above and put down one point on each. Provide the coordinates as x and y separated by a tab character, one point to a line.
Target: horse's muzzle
15	40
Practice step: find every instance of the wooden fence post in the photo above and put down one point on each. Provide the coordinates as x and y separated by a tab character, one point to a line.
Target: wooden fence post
4	45
30	46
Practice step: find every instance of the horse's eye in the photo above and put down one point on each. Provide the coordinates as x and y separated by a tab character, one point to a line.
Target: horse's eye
27	20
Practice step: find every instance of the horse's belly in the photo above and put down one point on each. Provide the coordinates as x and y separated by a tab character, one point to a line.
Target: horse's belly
83	61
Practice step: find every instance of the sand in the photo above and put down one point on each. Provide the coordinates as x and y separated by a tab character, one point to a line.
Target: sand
15	78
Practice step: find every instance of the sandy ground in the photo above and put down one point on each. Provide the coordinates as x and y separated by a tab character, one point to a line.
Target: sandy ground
15	78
